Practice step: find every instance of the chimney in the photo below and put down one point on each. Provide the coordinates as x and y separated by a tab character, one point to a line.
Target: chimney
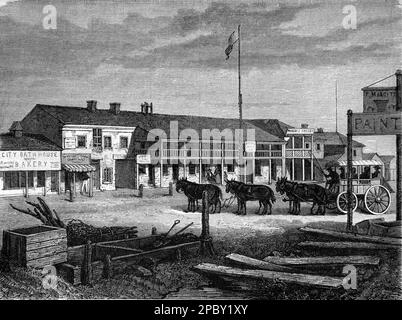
147	108
16	129
304	126
115	107
91	105
320	130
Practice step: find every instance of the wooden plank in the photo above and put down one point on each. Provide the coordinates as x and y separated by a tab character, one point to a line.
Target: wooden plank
45	252
43	236
133	243
257	264
347	245
351	236
48	243
302	279
113	251
45	261
158	252
329	260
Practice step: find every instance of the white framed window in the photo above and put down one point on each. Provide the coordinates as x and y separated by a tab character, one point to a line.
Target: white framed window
108	175
81	141
123	142
107	143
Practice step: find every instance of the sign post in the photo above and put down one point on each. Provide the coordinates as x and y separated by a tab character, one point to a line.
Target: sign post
349	224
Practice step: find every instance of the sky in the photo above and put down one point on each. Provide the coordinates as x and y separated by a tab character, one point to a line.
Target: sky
171	53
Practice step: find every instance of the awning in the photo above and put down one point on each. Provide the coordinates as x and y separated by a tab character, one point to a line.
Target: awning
343	163
79	167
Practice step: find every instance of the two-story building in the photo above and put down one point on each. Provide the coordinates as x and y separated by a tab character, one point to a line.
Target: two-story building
115	145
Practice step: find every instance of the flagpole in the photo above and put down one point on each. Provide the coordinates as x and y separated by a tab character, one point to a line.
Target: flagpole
336	105
238	67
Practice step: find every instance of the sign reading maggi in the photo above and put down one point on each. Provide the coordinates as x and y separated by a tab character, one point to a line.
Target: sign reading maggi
29	160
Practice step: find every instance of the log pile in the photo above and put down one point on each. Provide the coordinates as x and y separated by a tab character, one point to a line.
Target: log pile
78	232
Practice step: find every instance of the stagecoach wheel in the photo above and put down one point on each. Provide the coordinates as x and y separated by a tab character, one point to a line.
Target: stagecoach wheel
377	200
342	202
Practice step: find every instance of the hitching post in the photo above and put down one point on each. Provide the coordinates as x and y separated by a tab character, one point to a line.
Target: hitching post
206	246
349	173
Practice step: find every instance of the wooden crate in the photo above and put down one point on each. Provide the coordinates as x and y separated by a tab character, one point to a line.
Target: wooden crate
36	246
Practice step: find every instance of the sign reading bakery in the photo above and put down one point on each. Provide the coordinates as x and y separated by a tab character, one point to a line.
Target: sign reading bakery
30	160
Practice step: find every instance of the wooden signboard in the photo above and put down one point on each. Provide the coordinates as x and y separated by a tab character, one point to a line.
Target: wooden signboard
376	123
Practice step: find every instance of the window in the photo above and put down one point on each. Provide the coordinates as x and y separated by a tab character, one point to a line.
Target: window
307	146
123	142
16	180
30	179
298	142
81	141
41	179
230	167
354	153
165	170
141	169
107	143
318	147
257	167
108	175
191	168
97	138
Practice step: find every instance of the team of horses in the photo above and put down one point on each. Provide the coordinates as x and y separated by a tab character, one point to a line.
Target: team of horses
295	193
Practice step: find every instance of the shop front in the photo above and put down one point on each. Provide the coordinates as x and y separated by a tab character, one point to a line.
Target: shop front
28	164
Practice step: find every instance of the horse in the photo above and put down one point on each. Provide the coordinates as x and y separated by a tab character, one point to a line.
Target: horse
251	192
194	192
303	192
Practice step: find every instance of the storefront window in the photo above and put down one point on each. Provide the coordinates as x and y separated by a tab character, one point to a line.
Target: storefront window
41	179
30	179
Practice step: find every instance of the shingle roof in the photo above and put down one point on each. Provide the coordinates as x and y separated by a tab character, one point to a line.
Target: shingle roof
29	142
335	138
386	158
273	126
75	115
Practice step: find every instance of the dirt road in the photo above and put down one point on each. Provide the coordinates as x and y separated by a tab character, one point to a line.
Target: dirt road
123	207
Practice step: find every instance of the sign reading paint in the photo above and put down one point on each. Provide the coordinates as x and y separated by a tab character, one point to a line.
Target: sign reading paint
30	160
143	158
376	124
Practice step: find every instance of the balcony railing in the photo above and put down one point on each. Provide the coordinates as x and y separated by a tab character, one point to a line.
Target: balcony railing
298	153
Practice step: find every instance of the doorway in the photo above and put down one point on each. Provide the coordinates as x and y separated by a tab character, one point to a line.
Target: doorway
96	176
175	169
151	170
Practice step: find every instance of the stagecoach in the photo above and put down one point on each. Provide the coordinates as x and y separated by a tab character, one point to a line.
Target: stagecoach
368	192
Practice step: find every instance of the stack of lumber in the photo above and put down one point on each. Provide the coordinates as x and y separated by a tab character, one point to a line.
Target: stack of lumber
303	270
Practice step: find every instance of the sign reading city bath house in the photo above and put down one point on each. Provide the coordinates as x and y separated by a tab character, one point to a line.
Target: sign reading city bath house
30	160
376	124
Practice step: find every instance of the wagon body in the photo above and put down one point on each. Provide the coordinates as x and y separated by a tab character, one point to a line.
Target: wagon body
370	193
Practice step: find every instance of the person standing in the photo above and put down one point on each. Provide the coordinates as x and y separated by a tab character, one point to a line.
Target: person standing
84	184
